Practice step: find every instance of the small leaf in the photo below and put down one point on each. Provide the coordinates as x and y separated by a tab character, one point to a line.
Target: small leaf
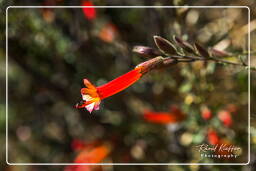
145	51
202	51
184	45
165	46
219	53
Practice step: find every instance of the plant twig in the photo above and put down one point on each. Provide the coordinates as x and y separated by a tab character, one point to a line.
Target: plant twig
172	55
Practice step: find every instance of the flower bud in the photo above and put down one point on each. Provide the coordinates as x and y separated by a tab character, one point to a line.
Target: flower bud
150	64
145	51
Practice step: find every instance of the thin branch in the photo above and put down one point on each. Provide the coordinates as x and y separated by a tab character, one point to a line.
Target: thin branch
172	54
164	62
196	58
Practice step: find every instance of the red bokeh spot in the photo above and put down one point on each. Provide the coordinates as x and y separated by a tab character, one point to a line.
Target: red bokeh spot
108	33
175	115
232	108
93	155
225	117
213	137
77	145
89	11
206	113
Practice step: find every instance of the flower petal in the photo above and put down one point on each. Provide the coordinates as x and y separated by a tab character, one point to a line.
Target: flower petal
90	107
87	97
97	105
81	104
93	95
88	84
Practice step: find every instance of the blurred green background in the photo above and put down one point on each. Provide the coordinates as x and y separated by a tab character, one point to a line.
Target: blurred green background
50	51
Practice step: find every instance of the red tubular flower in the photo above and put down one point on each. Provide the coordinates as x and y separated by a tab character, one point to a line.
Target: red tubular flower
92	95
174	116
89	11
